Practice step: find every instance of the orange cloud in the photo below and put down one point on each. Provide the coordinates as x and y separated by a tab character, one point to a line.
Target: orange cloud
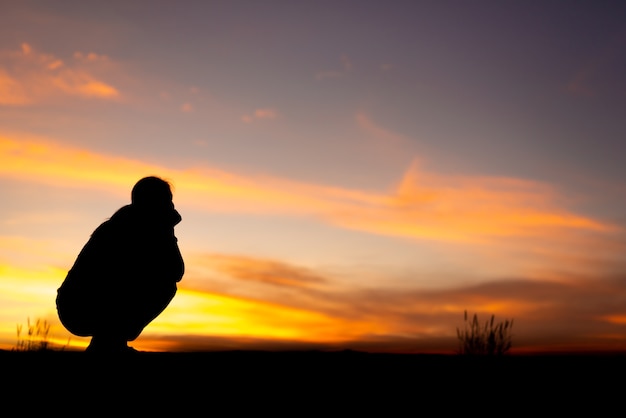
265	113
421	206
548	316
468	209
90	57
11	91
262	270
28	76
619	319
259	114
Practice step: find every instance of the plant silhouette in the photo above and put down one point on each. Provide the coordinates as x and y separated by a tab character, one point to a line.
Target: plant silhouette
492	339
127	272
34	337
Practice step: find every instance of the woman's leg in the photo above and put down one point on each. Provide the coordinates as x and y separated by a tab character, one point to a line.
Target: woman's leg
104	343
146	308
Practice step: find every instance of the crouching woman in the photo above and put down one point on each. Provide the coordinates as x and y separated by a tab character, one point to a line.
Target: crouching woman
127	272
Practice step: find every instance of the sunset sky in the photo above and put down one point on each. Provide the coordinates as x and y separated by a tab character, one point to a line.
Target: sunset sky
351	174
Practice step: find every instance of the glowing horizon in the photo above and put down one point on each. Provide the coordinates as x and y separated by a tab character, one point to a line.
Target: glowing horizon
356	182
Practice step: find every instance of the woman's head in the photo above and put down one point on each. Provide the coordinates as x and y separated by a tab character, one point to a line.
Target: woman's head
152	192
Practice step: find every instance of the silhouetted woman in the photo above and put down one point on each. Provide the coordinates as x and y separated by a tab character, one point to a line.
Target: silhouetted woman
126	274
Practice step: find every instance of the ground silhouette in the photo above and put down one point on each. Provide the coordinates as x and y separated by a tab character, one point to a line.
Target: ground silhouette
319	383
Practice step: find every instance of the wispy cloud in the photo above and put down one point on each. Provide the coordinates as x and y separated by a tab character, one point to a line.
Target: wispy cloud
381	141
588	80
422	205
89	57
463	208
266	113
261	270
346	68
28	76
346	63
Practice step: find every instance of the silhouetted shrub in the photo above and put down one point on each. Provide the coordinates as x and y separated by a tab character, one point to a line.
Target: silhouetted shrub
492	339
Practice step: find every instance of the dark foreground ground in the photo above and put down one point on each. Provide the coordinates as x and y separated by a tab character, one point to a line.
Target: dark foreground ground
346	383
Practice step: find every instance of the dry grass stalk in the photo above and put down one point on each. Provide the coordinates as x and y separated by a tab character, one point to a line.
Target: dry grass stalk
492	339
36	338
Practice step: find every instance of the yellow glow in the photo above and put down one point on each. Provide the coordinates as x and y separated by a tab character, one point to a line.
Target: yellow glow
32	293
26	293
22	285
201	313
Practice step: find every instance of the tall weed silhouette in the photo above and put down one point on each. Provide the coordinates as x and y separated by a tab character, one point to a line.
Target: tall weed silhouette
34	337
491	339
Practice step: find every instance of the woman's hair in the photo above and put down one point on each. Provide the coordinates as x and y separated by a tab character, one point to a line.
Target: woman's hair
150	191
